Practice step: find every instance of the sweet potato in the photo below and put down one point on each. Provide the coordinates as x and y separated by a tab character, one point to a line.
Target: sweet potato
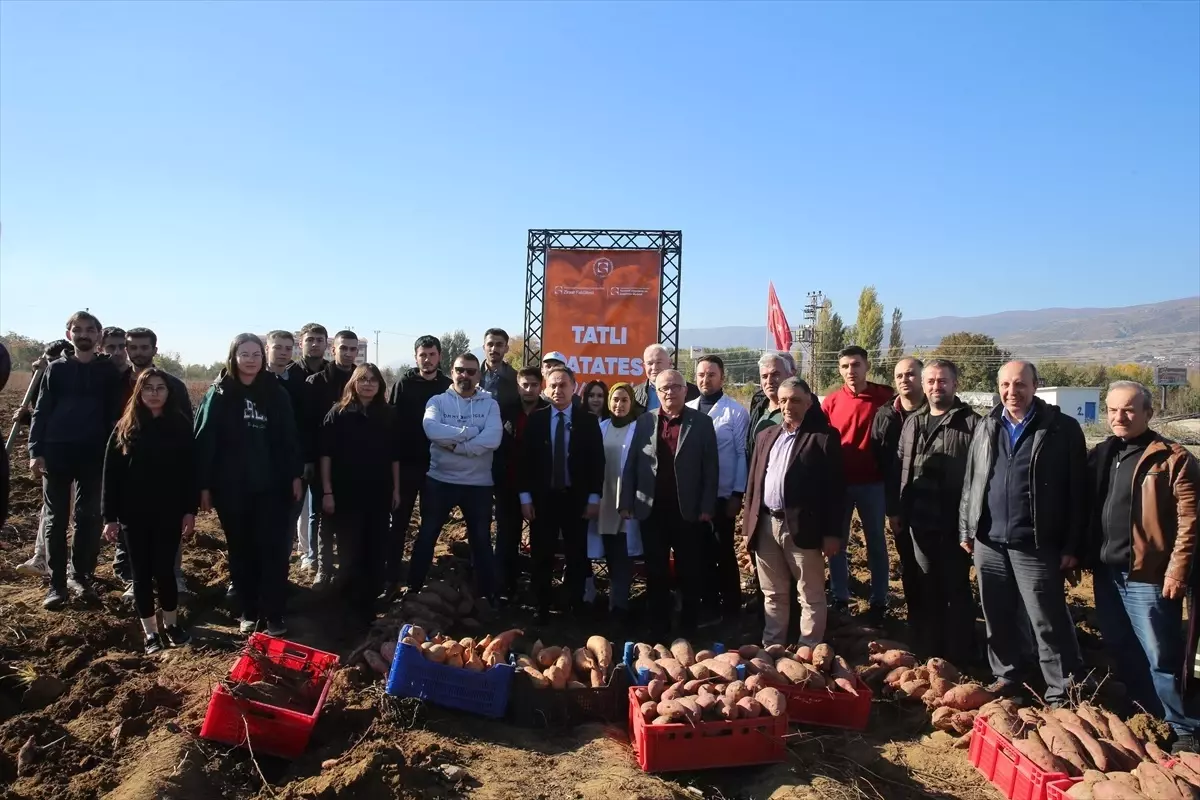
1156	753
727	709
388	651
1081	791
895	677
650	666
1182	770
754	684
674	710
748	651
941	668
417	632
664	721
816	680
557	676
661	651
1191	759
963	742
940	686
711	688
693	686
1065	746
1036	751
1115	790
795	672
773	701
872	675
758	664
539	680
375	661
692	704
500	645
455	660
674	670
1125	779
750	707
1094	717
1093	776
707	703
585	662
1091	745
822	657
642	650
966	697
1123	736
721	668
436	653
642	694
596	679
736	691
601	650
1064	715
914	690
704	655
700	672
941	718
564	661
1007	725
962	721
777	651
894	658
649	710
1119	759
656	687
410	641
1159	784
804	653
673	692
681	650
731	658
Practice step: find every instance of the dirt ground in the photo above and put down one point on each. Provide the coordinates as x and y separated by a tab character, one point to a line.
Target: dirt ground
109	721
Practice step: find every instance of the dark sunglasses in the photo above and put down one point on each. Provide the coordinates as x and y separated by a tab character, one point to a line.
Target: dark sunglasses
468	371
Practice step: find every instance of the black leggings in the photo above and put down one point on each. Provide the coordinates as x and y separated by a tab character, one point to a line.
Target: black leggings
152	547
260	546
364	537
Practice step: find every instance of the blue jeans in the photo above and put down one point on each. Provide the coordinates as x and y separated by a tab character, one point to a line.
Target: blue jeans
868	499
1144	633
437	500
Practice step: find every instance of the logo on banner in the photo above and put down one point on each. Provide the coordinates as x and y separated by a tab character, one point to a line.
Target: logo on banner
603	267
627	291
577	290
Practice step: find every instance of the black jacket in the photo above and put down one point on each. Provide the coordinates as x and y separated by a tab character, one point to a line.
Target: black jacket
361	447
324	391
79	405
177	391
930	469
409	396
885	441
1058	487
814	487
505	389
585	457
296	385
246	441
641	394
509	412
156	480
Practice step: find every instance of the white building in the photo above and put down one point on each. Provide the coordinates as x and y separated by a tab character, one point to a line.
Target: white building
1080	402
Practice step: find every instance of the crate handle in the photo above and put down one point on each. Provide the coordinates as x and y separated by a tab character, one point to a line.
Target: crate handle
1005	748
300	654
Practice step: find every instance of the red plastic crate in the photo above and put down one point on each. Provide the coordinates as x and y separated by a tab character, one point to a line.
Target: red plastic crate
1012	773
1057	790
705	745
271	730
831	709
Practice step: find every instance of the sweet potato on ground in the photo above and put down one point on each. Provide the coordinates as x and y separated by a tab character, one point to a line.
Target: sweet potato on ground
894	658
941	668
941	718
967	697
536	677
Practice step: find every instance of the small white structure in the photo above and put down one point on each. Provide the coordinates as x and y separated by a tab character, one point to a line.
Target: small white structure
980	401
1080	402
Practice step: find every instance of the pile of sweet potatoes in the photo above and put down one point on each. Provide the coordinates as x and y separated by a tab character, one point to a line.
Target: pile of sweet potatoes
562	668
467	653
708	699
1095	744
776	665
442	605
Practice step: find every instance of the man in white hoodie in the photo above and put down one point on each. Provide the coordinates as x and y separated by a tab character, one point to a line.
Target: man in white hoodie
464	429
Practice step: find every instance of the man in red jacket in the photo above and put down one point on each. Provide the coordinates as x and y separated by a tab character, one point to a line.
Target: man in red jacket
851	410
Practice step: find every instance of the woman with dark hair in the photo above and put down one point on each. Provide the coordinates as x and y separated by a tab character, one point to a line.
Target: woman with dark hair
595	399
358	445
150	489
248	469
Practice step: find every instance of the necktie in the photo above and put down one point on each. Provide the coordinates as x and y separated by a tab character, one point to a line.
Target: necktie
558	479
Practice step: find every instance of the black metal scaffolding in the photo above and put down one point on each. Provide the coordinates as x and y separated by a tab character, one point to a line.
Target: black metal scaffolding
669	244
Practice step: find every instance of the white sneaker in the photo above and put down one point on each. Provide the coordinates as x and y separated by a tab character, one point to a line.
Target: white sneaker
33	568
128	594
247	626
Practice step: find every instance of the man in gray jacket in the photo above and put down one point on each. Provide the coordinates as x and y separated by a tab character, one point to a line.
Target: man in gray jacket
1023	516
670	485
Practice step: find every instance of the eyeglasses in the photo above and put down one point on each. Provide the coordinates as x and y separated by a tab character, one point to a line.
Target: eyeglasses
470	372
154	389
671	387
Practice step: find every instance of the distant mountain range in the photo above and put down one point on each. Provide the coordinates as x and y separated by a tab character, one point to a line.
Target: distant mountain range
1164	332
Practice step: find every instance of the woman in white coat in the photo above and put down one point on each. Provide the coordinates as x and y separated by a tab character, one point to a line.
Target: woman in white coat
615	539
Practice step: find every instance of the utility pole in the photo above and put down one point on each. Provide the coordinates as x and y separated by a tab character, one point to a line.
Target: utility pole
809	335
377	358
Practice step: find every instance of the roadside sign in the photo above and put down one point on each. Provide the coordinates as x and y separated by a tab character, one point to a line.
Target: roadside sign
1170	376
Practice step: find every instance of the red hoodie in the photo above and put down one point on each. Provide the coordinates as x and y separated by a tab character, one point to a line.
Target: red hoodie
852	415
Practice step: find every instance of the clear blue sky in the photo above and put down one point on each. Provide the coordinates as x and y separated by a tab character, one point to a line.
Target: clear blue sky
208	168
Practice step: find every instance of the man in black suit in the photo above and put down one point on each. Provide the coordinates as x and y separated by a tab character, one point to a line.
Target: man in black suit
670	485
560	481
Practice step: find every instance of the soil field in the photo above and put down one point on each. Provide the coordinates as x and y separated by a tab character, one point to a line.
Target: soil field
109	721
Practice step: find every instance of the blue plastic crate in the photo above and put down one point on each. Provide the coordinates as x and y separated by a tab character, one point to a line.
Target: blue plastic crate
484	693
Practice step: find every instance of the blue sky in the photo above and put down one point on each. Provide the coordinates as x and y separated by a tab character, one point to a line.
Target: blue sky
208	168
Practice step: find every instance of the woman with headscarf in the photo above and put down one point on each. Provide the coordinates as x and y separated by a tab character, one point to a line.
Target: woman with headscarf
595	399
619	539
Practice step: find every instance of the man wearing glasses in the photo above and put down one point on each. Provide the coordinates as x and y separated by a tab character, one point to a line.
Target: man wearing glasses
464	429
670	485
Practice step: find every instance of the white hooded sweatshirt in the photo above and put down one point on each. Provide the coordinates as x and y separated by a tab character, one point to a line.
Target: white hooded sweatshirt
463	433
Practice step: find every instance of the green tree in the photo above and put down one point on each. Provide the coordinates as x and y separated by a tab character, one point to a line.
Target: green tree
831	337
171	363
977	357
868	328
895	349
453	346
23	350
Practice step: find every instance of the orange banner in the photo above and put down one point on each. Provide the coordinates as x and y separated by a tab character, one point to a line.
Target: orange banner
601	311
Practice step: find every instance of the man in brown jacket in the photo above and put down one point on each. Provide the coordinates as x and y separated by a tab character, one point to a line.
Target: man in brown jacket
795	497
1144	540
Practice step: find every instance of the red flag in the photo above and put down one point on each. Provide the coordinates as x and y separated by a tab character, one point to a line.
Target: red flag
777	324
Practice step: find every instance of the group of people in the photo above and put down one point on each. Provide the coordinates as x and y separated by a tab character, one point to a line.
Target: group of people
658	469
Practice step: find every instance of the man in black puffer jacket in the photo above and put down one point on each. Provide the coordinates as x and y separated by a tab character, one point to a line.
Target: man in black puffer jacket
1024	516
416	387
